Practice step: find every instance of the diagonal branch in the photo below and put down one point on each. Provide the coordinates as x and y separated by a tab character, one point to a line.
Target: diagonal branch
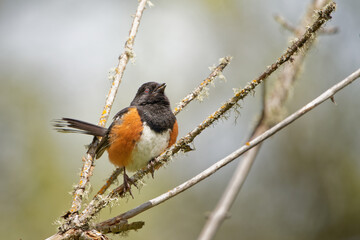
123	60
217	71
215	167
98	203
110	181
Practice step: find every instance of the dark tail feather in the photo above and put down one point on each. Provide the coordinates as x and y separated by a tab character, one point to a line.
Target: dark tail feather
69	125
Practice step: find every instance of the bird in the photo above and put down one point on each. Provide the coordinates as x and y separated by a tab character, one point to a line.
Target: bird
138	133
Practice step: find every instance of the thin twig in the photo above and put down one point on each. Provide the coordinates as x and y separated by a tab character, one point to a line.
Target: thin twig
246	165
217	71
123	60
97	204
288	26
110	180
284	23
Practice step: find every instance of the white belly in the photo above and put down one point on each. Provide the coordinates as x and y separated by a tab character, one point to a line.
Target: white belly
150	145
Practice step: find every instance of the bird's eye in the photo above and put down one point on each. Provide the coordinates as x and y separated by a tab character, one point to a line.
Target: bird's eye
147	90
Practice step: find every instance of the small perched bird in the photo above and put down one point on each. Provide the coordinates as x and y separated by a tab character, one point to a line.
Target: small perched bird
138	133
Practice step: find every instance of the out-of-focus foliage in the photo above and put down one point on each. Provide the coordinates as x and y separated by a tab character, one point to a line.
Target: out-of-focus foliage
32	182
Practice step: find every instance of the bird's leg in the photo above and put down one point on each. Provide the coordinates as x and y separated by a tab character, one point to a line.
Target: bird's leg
151	165
127	182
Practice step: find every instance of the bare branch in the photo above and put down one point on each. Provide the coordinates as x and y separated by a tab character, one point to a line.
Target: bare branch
284	23
109	181
244	166
123	60
217	71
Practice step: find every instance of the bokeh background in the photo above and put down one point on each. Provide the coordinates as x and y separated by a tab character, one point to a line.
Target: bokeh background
55	57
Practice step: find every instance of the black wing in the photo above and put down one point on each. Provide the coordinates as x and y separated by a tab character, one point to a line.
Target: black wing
105	142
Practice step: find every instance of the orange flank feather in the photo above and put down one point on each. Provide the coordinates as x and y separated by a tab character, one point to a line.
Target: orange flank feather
173	134
123	138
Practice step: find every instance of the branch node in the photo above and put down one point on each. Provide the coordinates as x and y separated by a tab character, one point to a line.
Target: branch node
333	100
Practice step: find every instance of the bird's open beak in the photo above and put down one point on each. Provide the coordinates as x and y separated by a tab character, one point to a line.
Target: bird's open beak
161	88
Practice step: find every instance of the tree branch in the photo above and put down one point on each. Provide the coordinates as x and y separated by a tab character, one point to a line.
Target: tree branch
284	23
110	181
123	60
217	71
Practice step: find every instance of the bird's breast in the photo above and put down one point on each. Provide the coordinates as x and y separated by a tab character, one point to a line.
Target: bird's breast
150	145
133	142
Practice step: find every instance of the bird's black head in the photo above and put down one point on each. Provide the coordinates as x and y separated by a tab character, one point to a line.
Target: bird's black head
151	93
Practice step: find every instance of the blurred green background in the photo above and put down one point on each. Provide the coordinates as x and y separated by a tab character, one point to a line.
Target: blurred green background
55	57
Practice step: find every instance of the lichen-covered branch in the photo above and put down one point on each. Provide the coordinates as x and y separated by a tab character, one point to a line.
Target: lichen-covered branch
110	180
123	60
217	71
